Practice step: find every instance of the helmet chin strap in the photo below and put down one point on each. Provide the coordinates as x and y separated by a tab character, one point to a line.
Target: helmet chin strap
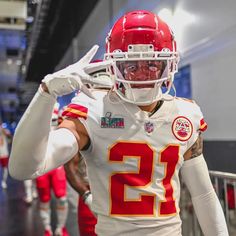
170	86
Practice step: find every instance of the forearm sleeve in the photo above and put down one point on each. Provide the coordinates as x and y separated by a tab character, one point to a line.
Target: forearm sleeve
205	201
36	149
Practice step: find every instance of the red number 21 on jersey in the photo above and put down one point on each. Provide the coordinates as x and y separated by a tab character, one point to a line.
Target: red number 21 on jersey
145	205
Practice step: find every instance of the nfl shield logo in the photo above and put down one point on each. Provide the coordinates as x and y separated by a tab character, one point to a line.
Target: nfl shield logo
149	127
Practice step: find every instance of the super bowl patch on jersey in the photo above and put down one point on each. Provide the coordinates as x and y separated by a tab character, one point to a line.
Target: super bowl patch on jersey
112	122
182	128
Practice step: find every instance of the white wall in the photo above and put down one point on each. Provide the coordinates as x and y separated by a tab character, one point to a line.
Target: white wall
214	85
207	42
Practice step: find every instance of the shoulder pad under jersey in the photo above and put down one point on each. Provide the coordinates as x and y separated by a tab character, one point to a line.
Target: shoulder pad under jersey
81	104
191	108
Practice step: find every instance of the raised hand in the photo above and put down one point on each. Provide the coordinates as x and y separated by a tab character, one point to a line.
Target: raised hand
75	76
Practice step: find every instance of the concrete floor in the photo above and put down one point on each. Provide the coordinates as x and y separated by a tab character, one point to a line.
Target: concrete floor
20	219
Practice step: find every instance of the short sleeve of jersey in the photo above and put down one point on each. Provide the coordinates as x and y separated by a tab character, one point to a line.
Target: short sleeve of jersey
199	122
87	110
81	105
203	125
78	108
193	112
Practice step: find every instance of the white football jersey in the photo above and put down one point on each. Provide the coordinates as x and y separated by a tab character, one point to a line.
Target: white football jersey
134	159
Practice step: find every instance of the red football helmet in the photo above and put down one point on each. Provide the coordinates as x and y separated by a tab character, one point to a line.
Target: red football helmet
143	50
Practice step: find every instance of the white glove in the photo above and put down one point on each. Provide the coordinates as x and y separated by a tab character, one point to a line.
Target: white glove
88	199
75	76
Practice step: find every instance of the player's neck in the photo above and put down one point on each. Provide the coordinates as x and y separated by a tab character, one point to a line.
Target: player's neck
152	108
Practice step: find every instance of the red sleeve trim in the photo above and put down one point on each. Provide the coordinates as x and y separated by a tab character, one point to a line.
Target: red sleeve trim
203	125
75	111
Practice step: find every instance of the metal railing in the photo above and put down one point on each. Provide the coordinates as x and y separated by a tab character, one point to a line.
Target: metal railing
225	187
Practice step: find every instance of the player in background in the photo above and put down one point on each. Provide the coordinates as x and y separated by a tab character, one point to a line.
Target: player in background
77	177
55	181
5	135
30	191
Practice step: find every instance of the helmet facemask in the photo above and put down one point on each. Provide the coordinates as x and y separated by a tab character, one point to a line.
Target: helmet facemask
141	72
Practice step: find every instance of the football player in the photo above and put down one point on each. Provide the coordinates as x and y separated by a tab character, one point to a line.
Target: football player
135	140
4	153
77	177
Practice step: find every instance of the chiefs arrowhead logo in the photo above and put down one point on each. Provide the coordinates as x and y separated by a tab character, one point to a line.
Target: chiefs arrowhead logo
182	128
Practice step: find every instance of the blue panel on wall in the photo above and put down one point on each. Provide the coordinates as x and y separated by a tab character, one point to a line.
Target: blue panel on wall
182	82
